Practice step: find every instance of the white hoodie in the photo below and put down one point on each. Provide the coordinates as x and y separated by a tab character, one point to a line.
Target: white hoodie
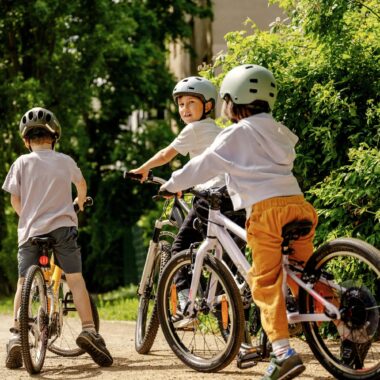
256	156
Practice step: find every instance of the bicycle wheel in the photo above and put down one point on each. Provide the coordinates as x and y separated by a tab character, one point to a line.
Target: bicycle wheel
147	318
66	324
34	320
347	273
205	344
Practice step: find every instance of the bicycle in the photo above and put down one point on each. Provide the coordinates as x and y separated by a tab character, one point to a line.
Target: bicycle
47	315
159	253
338	301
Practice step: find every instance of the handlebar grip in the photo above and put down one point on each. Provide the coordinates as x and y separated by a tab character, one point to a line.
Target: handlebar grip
87	203
136	176
165	193
128	175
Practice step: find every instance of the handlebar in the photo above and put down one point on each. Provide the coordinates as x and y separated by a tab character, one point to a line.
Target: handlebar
150	179
87	203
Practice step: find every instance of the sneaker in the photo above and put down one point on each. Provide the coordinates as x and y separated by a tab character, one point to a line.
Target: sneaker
95	346
14	355
286	368
354	354
180	322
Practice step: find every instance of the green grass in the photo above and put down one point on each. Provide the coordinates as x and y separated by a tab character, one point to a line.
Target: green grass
120	304
6	306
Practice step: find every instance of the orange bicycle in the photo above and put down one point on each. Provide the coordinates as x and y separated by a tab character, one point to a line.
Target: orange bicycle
48	317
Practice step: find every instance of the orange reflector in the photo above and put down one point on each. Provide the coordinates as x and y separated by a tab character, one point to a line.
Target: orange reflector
173	298
224	312
44	260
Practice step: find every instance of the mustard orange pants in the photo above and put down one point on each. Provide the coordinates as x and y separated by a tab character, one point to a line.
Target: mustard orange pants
264	228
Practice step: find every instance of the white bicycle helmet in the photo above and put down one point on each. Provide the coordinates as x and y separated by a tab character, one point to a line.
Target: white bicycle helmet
40	118
196	86
247	83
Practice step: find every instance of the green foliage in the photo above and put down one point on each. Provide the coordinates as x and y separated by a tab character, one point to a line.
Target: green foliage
325	58
92	63
348	199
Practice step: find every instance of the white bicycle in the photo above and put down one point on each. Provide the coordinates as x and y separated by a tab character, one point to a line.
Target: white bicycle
338	302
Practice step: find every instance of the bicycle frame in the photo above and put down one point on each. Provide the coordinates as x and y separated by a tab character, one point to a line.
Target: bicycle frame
218	239
179	203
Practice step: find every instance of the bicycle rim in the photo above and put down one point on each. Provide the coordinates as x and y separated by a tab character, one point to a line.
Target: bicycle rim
206	344
348	275
66	325
34	320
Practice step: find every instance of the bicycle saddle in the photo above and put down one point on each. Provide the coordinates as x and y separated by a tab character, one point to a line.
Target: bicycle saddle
43	241
293	231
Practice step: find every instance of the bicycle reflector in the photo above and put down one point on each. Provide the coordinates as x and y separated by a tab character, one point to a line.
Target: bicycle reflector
173	298
224	312
44	260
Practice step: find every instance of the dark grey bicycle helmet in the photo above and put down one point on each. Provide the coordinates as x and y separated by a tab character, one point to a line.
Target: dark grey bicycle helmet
40	118
196	86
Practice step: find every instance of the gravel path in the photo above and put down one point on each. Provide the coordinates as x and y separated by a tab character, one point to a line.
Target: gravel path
161	363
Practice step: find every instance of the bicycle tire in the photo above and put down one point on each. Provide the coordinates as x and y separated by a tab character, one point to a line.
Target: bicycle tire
34	320
348	348
147	322
206	357
64	343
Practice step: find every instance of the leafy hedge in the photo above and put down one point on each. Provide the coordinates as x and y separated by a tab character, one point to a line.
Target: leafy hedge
325	57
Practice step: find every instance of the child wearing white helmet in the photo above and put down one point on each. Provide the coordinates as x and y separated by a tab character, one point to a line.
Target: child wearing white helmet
257	155
196	98
40	187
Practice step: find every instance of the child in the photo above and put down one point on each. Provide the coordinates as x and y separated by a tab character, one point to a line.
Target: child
196	98
257	155
40	188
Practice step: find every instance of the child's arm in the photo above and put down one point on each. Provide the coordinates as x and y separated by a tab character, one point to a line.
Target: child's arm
16	203
81	187
160	158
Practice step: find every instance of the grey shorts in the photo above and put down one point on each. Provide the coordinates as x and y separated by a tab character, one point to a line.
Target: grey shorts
66	252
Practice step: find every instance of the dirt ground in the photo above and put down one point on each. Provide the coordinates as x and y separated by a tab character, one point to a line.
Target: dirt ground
161	363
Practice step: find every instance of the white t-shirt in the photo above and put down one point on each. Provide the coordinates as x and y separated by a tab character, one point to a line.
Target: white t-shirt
256	156
194	139
42	180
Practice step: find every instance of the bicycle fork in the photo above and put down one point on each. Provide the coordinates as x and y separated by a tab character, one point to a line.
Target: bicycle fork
151	256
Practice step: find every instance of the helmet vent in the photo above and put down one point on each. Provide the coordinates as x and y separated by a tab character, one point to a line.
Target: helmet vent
24	119
254	80
40	114
253	90
271	94
48	117
273	85
185	80
248	67
191	88
30	115
197	78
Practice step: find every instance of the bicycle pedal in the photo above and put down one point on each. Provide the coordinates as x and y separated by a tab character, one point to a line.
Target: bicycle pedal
244	363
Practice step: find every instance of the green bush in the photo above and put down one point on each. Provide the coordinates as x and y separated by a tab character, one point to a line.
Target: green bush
325	58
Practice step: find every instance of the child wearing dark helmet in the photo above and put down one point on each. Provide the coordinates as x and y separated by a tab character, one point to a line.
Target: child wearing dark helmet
257	155
40	188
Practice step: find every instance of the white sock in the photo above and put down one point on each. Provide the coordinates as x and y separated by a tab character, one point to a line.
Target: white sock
183	297
280	347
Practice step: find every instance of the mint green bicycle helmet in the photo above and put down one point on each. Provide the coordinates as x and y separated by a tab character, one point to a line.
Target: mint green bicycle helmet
247	83
196	86
40	118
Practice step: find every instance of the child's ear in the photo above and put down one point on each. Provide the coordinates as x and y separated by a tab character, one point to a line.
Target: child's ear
208	106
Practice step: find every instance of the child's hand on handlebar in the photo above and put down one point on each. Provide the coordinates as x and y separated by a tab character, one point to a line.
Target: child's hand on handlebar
167	194
143	172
